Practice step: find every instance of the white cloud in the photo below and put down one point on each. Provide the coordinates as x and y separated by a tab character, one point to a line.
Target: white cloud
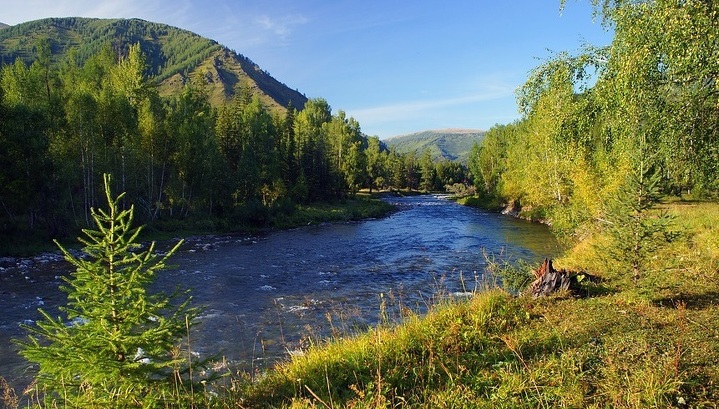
421	108
281	26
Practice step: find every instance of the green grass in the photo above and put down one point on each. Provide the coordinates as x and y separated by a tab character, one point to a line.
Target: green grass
651	345
500	351
357	208
362	206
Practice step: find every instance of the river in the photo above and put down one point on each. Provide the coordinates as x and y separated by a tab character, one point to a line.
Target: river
268	296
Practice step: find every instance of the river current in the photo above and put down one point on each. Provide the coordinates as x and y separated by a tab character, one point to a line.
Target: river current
269	296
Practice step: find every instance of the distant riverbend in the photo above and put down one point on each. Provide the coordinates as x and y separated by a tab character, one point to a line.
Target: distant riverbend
268	296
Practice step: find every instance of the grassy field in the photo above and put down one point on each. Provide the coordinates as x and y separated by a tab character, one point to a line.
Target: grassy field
653	344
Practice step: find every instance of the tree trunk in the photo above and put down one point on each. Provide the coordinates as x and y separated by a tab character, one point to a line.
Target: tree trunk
550	280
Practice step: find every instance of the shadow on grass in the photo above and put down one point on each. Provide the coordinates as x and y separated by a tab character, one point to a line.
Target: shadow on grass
594	286
698	301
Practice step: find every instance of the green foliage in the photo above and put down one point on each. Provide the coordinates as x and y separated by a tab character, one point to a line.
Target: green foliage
459	190
66	124
376	172
427	172
347	152
487	160
174	56
117	344
513	276
636	232
170	50
649	92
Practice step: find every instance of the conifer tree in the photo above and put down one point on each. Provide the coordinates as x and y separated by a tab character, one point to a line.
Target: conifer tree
637	232
118	345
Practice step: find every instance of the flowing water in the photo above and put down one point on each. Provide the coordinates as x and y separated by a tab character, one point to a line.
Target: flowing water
268	296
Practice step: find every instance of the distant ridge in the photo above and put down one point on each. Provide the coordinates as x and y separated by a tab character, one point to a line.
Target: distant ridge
3	25
174	55
454	144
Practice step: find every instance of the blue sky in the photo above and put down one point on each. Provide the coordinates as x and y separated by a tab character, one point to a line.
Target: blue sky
396	66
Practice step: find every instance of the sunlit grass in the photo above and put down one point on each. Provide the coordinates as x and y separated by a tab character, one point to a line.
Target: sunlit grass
497	350
651	345
654	345
357	208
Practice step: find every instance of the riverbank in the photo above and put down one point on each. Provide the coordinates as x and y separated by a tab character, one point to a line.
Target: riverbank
498	205
654	344
361	206
273	293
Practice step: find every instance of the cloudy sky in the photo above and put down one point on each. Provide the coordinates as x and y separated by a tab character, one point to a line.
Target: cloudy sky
397	66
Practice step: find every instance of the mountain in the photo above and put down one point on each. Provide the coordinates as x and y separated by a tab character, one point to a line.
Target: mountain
173	55
3	25
451	144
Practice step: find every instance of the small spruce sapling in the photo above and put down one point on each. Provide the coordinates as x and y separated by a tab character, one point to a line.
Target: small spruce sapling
118	344
636	232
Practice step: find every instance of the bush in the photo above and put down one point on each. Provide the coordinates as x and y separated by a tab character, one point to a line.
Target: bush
252	213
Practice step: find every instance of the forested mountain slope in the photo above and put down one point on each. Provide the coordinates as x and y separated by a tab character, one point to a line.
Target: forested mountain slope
450	144
153	106
173	55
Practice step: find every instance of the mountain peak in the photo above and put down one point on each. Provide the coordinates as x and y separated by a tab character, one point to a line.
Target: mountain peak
453	144
173	55
446	131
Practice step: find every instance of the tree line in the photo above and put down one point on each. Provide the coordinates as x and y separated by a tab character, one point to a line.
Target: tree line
615	120
63	125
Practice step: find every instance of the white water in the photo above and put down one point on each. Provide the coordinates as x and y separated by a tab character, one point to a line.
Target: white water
266	297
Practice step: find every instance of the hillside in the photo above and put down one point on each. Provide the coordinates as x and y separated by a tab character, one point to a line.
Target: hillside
173	55
3	25
451	144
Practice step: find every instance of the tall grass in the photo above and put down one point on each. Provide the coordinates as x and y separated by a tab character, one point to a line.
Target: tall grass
492	351
655	345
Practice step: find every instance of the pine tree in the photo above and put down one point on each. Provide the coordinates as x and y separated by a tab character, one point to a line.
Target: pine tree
118	344
635	230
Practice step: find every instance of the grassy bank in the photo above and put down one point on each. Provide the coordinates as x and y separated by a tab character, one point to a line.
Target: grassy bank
362	206
655	344
650	344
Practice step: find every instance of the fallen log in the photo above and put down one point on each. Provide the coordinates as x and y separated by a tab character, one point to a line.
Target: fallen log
549	280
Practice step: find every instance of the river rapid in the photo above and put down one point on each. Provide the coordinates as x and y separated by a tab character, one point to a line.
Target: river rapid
270	296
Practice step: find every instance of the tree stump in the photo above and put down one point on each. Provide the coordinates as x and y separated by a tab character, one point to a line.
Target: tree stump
548	280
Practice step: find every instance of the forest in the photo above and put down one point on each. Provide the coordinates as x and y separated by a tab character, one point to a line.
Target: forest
634	121
63	125
174	50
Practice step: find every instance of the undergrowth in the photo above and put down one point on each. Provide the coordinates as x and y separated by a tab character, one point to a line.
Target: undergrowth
500	351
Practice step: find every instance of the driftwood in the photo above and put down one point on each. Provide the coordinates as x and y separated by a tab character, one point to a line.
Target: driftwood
548	280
